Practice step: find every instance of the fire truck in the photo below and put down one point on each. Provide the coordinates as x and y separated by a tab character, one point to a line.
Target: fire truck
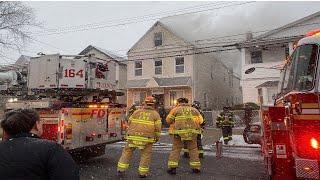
290	136
76	100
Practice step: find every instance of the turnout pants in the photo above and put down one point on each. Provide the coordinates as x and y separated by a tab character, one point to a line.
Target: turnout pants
174	156
227	133
145	158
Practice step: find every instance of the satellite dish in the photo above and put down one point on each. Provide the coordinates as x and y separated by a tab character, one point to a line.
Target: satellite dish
250	70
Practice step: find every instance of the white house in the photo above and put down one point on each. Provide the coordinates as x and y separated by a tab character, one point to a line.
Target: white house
166	65
267	52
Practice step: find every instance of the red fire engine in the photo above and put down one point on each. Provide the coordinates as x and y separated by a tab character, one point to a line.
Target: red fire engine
291	128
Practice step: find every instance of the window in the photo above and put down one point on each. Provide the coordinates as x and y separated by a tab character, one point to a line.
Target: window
256	57
179	64
138	68
288	74
306	61
174	95
158	66
138	97
158	39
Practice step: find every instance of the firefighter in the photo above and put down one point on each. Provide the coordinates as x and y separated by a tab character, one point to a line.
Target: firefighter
144	130
197	105
184	122
225	121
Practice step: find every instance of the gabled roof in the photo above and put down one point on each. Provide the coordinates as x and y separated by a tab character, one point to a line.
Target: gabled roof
165	27
103	51
162	82
292	24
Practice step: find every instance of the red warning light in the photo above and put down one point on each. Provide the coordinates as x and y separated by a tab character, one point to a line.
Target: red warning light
313	33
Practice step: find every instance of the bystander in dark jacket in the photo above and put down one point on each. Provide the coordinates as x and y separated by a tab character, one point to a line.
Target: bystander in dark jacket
24	155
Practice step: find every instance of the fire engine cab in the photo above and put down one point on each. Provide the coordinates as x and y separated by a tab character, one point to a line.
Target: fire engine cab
76	101
291	128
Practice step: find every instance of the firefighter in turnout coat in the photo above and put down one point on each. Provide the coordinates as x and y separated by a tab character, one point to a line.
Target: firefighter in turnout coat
144	130
197	105
184	122
225	121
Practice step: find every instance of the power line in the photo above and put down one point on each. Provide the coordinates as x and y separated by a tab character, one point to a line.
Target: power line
131	18
141	20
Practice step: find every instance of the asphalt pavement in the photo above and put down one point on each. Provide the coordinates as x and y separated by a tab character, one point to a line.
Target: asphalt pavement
237	163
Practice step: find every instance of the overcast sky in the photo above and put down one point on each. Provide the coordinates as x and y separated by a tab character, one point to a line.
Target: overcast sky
223	21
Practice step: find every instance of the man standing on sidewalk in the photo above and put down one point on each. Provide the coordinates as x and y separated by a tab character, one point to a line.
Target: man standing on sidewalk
144	130
184	123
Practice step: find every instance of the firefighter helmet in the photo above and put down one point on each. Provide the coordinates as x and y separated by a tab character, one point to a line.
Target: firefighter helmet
182	100
150	100
196	104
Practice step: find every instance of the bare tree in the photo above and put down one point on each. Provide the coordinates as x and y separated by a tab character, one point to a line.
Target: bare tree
16	21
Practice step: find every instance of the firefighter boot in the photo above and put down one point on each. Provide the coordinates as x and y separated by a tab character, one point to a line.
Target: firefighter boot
196	171
121	174
172	171
142	176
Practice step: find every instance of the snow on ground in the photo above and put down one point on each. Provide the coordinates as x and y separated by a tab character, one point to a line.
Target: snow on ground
237	140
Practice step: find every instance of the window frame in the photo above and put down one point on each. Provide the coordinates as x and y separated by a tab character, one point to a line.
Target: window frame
135	68
140	99
155	40
155	67
175	65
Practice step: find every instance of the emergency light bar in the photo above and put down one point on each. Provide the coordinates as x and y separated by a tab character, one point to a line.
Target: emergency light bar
313	33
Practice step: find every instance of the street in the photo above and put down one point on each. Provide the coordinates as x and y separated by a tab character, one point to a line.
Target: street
238	162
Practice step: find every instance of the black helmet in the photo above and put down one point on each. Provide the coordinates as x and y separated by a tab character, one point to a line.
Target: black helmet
182	100
196	104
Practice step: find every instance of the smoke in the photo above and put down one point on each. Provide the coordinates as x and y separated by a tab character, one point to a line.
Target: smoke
241	19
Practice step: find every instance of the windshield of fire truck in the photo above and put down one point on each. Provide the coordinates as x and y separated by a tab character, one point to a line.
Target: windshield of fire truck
299	73
306	61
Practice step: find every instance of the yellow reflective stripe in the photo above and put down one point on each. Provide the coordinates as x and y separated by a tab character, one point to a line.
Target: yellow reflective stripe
140	121
136	146
143	169
157	122
196	163
184	117
172	164
123	165
185	131
171	117
158	134
185	150
139	138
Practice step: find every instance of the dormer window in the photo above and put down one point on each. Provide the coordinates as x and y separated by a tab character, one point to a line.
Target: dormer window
158	39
